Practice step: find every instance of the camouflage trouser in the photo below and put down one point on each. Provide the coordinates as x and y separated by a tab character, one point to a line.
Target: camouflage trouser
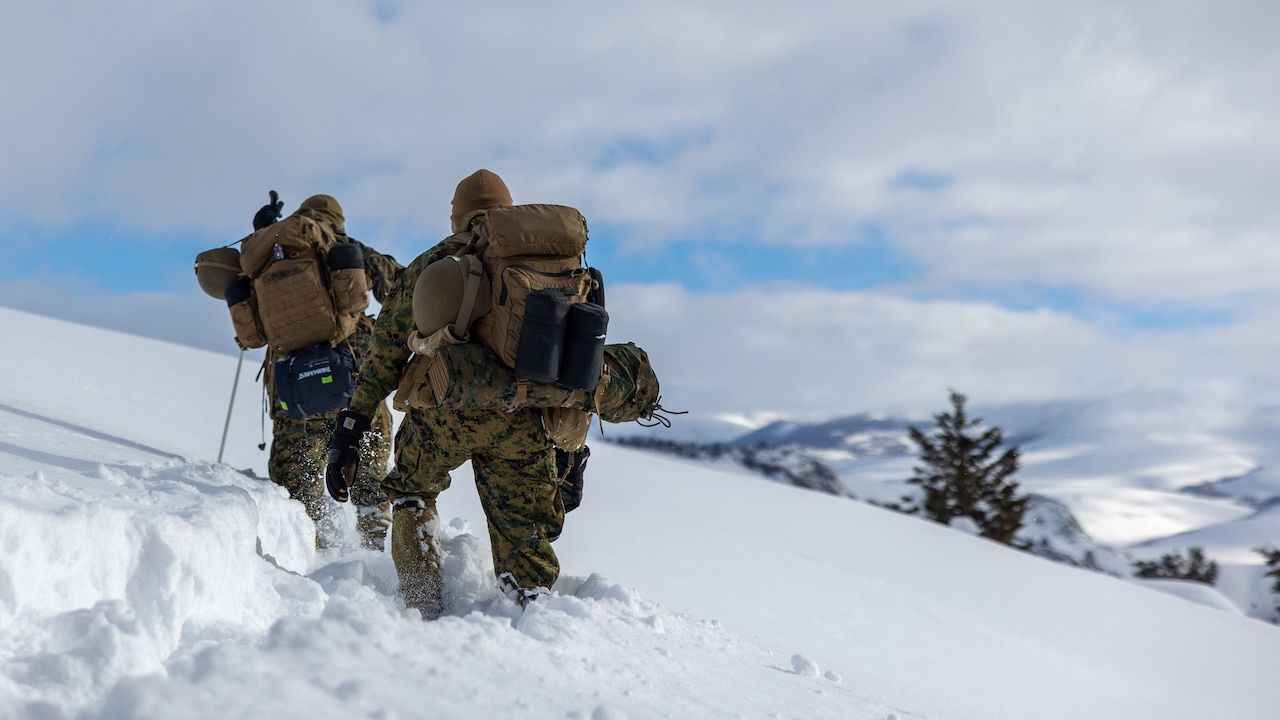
300	451
515	475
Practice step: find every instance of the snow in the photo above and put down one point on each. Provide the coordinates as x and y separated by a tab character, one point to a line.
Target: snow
140	579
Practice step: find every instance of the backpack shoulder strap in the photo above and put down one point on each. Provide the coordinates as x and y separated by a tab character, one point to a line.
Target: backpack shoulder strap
472	270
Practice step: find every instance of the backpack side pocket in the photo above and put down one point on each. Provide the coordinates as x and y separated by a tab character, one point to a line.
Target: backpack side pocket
244	314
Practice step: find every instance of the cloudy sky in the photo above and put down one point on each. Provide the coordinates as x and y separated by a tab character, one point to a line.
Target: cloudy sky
841	206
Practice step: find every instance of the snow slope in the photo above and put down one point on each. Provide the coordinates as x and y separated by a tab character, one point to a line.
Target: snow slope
1140	474
141	580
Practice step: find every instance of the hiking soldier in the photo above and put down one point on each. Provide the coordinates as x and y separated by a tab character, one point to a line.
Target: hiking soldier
299	448
511	454
323	274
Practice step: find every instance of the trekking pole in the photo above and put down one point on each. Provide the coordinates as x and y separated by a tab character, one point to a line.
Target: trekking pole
235	385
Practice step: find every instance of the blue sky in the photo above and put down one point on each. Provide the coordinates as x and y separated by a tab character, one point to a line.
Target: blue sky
128	263
1107	169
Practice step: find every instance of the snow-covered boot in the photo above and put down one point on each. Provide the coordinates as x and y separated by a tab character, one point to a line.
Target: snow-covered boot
373	522
416	554
508	586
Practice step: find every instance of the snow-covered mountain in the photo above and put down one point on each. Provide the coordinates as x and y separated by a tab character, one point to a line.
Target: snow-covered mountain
1109	483
141	579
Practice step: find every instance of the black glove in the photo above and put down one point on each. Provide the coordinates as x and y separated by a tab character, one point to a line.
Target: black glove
570	467
344	453
269	212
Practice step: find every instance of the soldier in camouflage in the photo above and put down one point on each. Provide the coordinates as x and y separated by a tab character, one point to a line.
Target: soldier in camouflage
510	453
299	447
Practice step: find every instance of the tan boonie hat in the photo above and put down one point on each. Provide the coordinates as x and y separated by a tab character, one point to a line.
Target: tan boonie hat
476	193
324	208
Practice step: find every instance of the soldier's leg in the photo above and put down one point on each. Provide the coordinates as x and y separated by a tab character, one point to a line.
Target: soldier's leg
299	451
423	462
373	508
518	486
415	550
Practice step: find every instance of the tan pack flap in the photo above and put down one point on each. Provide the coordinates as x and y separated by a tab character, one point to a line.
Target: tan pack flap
537	229
292	234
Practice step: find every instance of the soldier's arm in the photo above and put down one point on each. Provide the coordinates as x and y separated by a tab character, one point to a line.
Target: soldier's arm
383	270
388	352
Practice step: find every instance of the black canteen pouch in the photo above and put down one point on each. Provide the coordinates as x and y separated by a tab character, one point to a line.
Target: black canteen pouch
314	380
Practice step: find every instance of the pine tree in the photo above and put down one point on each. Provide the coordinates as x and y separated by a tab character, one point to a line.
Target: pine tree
1272	556
1195	567
1273	565
960	479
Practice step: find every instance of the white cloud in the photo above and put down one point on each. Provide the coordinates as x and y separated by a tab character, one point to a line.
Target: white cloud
1117	152
827	353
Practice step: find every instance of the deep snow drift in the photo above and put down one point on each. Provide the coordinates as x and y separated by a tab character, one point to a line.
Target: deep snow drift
139	579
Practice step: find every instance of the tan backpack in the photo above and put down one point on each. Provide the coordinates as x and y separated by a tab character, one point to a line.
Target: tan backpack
299	287
518	252
523	249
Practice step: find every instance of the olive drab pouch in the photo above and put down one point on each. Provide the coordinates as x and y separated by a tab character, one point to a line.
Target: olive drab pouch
316	379
414	389
348	281
244	314
567	427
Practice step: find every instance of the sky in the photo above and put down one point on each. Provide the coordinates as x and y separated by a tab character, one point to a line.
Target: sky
142	579
845	204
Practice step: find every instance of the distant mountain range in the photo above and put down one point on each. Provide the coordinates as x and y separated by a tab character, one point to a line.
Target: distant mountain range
1116	467
861	435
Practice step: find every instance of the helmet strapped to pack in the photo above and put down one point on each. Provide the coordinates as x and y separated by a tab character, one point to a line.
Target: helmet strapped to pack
451	292
216	269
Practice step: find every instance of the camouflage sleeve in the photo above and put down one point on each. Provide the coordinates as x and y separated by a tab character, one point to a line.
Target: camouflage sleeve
383	270
387	353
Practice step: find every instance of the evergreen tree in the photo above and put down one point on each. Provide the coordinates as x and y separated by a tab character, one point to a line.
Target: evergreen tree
1272	556
1195	567
960	478
1273	564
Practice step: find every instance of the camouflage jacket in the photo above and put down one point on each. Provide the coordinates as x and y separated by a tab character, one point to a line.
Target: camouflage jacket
387	353
383	270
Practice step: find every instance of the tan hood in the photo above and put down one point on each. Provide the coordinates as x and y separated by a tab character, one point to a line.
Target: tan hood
480	191
325	209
